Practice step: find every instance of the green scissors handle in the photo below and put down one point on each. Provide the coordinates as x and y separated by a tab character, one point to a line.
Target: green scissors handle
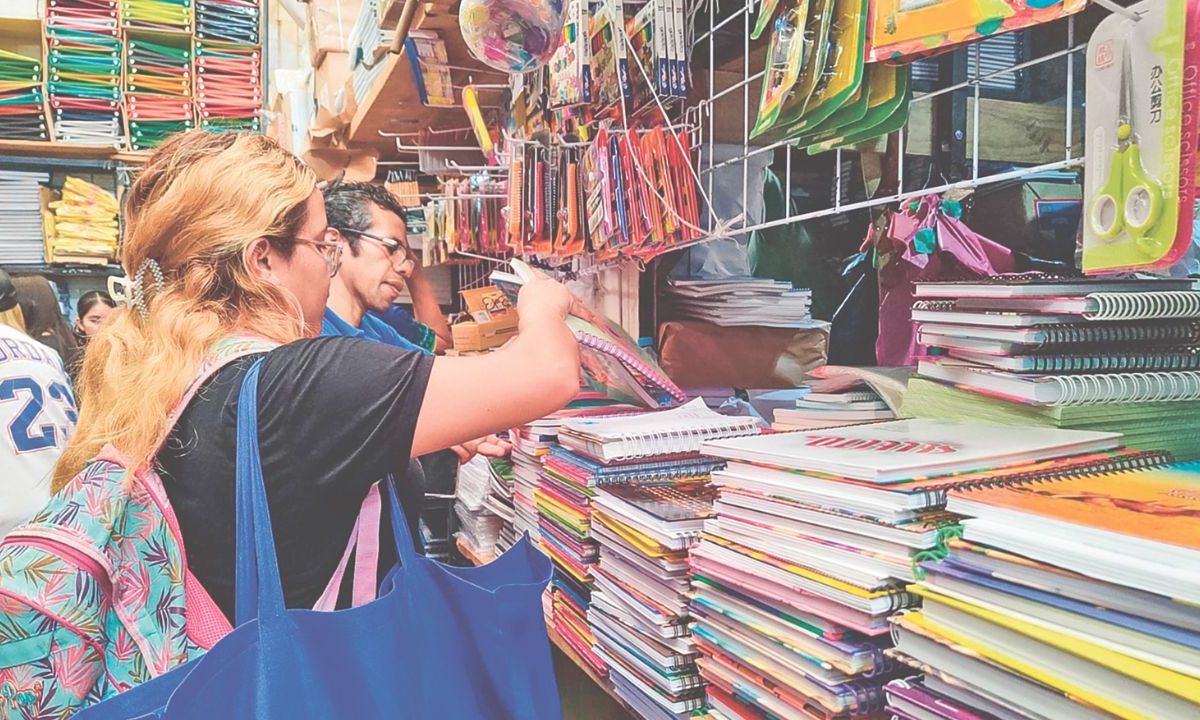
1130	199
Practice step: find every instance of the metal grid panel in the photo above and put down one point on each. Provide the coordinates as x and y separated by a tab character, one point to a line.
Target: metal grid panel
995	67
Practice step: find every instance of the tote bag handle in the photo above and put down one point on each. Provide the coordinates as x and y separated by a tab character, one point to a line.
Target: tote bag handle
258	590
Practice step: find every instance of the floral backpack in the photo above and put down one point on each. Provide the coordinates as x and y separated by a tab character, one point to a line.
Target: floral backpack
95	592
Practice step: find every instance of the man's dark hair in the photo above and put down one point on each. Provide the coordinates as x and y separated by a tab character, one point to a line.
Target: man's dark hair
348	207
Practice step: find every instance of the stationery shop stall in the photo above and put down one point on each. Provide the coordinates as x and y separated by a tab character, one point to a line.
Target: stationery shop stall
890	393
894	409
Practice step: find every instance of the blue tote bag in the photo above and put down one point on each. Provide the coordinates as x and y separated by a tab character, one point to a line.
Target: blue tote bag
439	642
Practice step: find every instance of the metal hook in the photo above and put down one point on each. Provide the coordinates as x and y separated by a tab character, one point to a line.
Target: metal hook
1116	9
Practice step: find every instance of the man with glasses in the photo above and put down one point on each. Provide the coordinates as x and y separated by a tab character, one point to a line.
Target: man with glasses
376	265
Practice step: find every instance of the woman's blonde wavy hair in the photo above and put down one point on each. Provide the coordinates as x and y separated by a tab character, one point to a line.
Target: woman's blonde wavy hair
195	206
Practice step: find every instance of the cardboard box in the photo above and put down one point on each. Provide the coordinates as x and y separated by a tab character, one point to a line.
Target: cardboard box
474	336
333	91
330	23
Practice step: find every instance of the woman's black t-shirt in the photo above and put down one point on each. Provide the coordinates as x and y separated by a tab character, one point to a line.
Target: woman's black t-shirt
334	415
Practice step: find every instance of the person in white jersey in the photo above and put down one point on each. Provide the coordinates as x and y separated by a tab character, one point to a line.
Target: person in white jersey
37	415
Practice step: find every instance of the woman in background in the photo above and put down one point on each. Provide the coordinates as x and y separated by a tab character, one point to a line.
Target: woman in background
10	310
92	312
44	319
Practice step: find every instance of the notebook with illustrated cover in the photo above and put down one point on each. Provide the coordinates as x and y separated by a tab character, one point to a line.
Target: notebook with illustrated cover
898	502
613	364
674	508
905	450
676	431
1153	513
1033	285
1119	387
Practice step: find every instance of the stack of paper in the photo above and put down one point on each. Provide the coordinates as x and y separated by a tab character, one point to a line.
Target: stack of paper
1073	598
368	46
22	98
530	442
21	217
83	51
741	301
499	502
81	227
229	93
816	535
1170	426
158	89
818	410
479	529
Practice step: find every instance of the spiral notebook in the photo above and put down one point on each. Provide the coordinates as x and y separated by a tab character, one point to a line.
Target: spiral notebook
1110	361
1062	338
1036	284
1140	529
677	431
613	364
1149	305
1119	387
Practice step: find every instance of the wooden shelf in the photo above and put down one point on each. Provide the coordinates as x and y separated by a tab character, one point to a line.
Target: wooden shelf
393	104
42	149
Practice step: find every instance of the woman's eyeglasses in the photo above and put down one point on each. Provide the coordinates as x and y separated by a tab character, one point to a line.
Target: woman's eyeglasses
331	250
392	245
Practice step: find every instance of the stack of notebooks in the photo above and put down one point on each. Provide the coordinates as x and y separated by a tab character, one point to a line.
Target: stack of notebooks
815	536
83	83
500	502
229	94
158	89
734	302
478	528
817	410
368	45
1170	426
622	499
1063	342
229	21
530	443
22	98
167	15
1074	598
81	227
21	217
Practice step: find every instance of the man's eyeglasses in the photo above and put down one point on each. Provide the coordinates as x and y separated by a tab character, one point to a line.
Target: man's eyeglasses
392	245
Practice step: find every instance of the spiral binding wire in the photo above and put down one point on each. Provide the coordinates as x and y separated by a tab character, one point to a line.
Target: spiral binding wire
1127	387
1156	360
1075	334
1144	306
1104	468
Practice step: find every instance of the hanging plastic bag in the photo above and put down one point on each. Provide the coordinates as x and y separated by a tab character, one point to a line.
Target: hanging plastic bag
926	241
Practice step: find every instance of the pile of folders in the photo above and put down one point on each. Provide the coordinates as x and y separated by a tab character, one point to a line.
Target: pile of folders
83	52
22	98
158	87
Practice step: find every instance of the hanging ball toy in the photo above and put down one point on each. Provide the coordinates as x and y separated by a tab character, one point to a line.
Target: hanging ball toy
515	36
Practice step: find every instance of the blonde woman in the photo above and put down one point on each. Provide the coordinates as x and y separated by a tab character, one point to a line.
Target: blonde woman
229	236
